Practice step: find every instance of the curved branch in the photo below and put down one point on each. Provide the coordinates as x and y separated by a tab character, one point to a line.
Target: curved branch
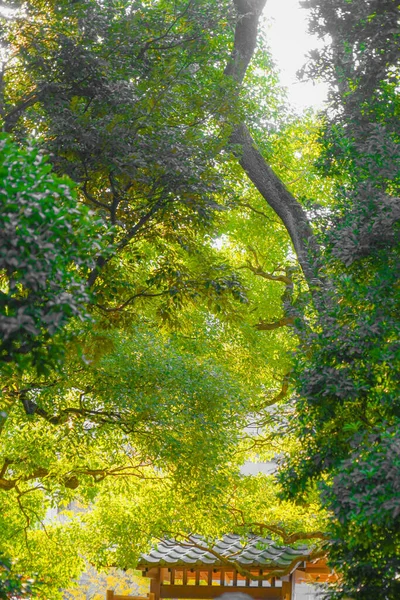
142	294
281	394
257	212
271	188
258	270
278	197
291	538
287	538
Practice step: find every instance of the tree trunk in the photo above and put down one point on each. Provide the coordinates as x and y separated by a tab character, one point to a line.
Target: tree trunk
272	189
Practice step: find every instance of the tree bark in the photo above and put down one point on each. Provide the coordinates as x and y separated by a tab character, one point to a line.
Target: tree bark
270	186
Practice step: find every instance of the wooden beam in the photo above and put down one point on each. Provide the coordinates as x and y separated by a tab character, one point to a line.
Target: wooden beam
205	592
111	596
287	589
316	570
151	571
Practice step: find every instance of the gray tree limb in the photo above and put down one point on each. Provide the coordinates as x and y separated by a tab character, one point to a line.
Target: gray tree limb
272	189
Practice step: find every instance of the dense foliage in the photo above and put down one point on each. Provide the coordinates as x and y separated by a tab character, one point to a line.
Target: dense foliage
148	308
348	379
143	422
46	243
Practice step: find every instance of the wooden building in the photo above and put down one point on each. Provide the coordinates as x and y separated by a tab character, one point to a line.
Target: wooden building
191	570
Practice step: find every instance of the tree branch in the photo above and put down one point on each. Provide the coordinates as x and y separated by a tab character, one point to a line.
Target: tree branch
249	12
151	42
288	209
142	294
283	322
258	270
280	395
71	479
257	212
103	260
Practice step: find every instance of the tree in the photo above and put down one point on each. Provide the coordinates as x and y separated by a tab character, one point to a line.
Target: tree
147	153
347	410
149	132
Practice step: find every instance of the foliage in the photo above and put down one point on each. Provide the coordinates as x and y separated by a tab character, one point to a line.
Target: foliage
94	585
144	408
142	426
124	123
12	585
46	240
347	369
367	484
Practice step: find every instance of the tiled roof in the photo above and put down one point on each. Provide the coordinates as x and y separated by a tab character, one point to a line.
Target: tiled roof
255	552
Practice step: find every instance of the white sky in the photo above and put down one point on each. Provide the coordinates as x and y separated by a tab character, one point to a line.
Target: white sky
289	41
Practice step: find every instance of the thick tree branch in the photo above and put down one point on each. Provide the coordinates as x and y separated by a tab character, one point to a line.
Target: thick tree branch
249	12
281	394
288	209
71	480
253	163
12	117
258	270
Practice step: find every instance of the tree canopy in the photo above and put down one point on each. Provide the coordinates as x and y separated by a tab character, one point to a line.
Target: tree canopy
192	276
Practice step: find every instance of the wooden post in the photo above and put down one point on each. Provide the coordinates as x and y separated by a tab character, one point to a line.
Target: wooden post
155	586
287	589
110	595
